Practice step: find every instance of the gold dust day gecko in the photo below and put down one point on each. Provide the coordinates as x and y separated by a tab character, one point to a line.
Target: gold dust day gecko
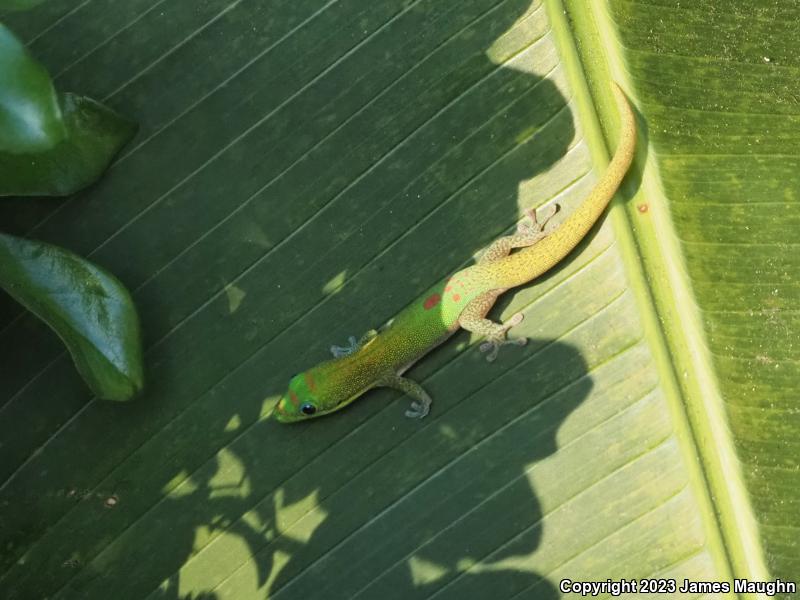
460	300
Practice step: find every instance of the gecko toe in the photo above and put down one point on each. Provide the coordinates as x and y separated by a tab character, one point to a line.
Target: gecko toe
492	347
418	411
515	320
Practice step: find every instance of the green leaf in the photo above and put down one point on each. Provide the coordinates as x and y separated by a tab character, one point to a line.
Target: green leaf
50	144
308	178
19	4
85	305
30	116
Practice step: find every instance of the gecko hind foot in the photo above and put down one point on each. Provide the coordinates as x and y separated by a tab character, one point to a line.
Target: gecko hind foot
533	225
493	344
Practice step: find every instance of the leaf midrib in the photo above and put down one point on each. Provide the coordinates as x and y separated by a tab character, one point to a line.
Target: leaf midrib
650	246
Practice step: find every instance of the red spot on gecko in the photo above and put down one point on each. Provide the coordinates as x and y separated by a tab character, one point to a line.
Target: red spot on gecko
293	398
456	297
642	208
431	301
448	288
310	382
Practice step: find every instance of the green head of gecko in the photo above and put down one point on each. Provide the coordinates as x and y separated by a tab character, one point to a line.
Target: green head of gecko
307	398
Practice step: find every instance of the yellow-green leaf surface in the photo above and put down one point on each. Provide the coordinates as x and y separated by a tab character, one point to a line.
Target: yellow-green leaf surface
304	169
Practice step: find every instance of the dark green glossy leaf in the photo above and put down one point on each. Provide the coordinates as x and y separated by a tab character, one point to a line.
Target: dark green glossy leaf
86	306
50	144
30	115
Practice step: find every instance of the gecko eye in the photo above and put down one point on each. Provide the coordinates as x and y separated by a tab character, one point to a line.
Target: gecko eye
308	409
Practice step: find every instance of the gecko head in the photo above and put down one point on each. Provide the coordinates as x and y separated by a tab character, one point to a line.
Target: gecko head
299	402
307	398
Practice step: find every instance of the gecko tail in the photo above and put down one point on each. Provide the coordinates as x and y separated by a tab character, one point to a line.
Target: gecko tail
529	263
577	225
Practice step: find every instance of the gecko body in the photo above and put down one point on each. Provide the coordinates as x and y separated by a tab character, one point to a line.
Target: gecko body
460	301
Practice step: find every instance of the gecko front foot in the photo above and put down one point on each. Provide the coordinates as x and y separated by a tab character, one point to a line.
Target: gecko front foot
419	409
498	338
421	404
366	339
340	351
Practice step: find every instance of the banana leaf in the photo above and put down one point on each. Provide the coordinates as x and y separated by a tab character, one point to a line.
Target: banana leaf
308	168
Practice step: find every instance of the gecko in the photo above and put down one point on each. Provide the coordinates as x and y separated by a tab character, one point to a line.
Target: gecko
461	300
